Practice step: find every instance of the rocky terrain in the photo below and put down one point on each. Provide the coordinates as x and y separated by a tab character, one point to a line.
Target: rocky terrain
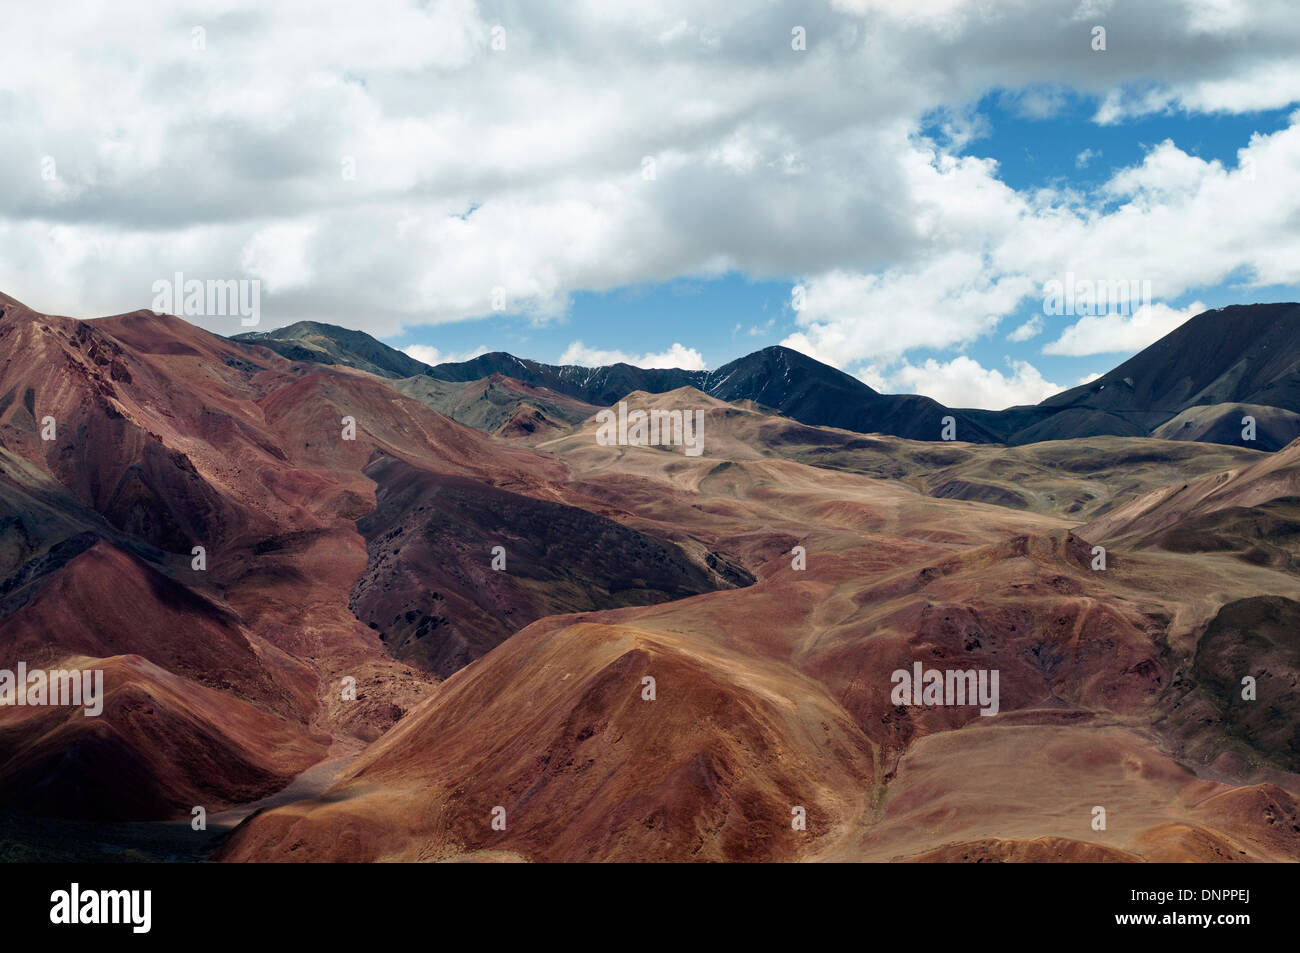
361	614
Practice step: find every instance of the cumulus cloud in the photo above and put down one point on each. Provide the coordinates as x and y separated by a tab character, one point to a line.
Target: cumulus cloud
1030	329
686	358
1109	333
951	301
1174	220
964	382
390	166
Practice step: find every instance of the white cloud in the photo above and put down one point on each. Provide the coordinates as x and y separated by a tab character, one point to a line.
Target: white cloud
874	377
431	355
952	301
686	358
279	255
964	382
1268	85
961	128
1175	220
1108	333
1084	158
1038	102
1087	379
1030	329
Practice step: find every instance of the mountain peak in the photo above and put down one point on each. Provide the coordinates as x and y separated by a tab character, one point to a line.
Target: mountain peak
322	343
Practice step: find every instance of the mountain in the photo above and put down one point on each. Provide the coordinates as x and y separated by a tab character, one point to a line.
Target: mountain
441	608
500	405
1223	423
675	655
494	402
1195	383
140	437
596	385
776	696
1252	510
817	394
1077	479
128	444
777	377
331	344
1243	354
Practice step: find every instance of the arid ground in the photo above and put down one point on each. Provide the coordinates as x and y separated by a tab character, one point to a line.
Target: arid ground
674	657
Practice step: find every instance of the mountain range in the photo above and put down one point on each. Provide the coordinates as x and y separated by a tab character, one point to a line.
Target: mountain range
352	626
1196	383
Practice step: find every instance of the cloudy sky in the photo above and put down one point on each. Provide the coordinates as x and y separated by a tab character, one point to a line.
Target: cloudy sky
670	183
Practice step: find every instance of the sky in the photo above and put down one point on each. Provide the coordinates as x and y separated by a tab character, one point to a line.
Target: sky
922	193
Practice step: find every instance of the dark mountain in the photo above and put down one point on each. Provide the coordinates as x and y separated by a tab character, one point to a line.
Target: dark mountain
1247	354
595	385
815	393
1239	355
803	389
330	344
1221	423
1243	354
798	386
